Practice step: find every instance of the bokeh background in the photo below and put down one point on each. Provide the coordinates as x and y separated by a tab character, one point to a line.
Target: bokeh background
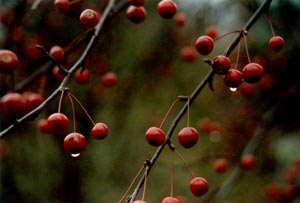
151	74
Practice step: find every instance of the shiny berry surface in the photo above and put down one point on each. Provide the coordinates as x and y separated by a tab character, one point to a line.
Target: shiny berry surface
58	123
221	64
12	105
74	143
170	200
109	79
63	6
82	77
155	136
276	43
233	78
89	18
199	186
188	137
8	61
252	72
32	100
57	53
99	131
204	45
166	8
136	14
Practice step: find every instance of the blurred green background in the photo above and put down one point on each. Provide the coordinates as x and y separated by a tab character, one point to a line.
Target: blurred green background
151	74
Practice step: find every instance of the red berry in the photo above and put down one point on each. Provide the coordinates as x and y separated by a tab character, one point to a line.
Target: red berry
58	123
199	186
188	54
109	79
252	73
212	31
276	43
82	77
220	165
89	18
136	14
43	126
32	100
63	6
188	137
221	64
137	2
57	53
248	161
166	8
233	78
57	74
74	143
99	131
12	105
155	136
170	200
204	45
8	61
180	19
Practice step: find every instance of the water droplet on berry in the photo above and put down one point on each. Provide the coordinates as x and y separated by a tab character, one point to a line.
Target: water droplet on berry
232	89
75	155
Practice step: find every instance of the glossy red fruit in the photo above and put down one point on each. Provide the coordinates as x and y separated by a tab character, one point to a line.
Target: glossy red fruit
233	78
43	126
221	64
170	200
100	131
276	43
57	74
199	186
166	8
74	143
188	137
252	73
63	6
89	18
32	100
155	136
212	31
8	61
188	54
58	123
109	79
220	165
248	161
136	14
204	45
57	53
137	3
12	105
180	19
82	77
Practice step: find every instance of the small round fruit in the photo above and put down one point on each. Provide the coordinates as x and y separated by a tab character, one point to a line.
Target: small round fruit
109	79
212	31
43	126
188	54
155	136
137	2
100	131
8	61
199	186
220	165
221	64
82	77
180	19
139	201
57	53
32	100
89	18
58	123
204	45
166	8
74	143
233	78
63	6
188	137
170	200
276	43
252	73
136	14
12	105
248	161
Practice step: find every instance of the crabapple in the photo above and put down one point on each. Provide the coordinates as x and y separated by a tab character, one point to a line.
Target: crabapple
180	19
252	73
109	79
63	6
276	43
199	186
32	100
89	18
170	200
82	77
166	8
204	45
12	105
212	31
58	123
155	136
136	14
233	78
221	64
188	137
74	143
57	53
248	161
8	61
188	54
99	131
43	126
220	165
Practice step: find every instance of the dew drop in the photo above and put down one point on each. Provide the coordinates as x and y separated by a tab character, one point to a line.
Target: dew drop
233	89
75	155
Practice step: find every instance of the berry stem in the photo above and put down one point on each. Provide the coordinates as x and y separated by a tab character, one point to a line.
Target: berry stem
82	107
60	100
188	113
185	163
145	183
244	34
270	23
228	33
73	111
168	112
238	55
172	172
